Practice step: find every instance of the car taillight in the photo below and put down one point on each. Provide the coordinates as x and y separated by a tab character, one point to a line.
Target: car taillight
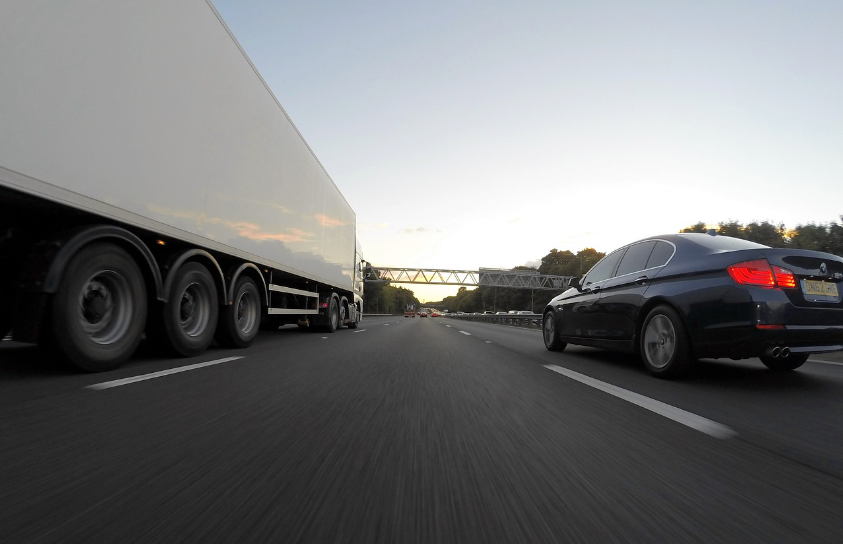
760	273
784	277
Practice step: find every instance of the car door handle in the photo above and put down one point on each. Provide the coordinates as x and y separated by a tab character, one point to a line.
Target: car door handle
595	288
642	280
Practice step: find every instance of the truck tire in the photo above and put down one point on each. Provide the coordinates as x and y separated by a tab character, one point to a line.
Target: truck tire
99	311
190	315
8	278
333	315
240	321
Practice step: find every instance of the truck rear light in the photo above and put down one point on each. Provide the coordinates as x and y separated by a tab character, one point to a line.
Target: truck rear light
759	273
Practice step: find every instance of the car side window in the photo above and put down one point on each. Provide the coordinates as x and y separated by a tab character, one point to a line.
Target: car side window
635	258
603	270
660	255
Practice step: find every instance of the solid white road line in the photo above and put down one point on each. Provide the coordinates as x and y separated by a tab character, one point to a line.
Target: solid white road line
824	362
678	415
125	381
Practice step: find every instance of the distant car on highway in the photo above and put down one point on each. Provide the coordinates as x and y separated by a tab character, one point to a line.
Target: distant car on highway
524	312
422	314
500	313
677	298
434	314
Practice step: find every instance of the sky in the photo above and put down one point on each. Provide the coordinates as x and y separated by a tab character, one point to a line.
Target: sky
469	134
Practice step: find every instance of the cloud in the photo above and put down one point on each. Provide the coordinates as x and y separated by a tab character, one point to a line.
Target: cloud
419	230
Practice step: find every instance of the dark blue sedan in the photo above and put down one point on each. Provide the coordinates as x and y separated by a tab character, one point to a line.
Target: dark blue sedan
677	298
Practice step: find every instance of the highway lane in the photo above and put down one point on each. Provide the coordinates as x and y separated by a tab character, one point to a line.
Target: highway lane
798	414
405	430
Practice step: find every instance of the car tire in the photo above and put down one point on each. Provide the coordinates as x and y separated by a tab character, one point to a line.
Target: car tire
665	347
239	322
792	362
99	311
551	333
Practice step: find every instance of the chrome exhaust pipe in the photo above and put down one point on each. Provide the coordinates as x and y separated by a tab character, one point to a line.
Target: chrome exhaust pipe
774	352
785	352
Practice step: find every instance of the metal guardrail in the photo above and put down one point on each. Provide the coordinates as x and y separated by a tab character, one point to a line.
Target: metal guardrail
533	321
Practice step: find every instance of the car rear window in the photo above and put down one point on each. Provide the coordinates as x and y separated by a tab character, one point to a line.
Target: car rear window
722	243
635	258
660	255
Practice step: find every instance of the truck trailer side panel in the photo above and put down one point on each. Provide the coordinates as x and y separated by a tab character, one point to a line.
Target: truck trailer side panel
150	113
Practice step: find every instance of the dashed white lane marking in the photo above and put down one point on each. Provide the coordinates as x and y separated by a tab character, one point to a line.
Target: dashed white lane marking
699	423
448	326
465	333
126	381
361	330
488	341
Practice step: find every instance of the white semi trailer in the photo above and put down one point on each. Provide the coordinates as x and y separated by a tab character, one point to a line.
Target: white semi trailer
151	183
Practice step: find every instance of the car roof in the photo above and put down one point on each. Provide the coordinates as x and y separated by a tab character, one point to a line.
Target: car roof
705	243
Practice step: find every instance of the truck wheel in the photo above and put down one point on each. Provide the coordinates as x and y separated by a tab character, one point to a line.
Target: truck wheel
354	324
240	321
333	316
8	278
190	315
99	312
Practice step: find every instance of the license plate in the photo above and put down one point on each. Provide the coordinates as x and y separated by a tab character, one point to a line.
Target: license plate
819	288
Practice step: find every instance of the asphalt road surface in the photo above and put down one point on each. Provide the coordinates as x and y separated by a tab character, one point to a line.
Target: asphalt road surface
417	430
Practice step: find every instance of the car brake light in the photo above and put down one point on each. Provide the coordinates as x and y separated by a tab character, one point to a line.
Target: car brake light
756	272
784	277
760	273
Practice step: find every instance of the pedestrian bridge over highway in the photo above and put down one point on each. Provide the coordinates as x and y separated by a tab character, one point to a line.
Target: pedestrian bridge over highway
485	277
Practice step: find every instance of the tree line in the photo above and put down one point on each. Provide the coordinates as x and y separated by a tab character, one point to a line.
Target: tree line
383	298
817	237
501	299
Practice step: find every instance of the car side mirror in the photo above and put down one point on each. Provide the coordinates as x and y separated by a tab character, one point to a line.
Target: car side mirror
575	283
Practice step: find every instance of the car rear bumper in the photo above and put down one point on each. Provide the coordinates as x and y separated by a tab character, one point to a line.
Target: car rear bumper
751	341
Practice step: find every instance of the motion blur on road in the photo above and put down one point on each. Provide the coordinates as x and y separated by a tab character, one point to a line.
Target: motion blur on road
417	431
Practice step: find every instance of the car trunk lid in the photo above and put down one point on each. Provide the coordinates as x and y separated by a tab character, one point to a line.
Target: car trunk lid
819	276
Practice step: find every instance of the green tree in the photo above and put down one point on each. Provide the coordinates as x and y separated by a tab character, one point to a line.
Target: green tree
731	228
810	236
698	227
766	233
